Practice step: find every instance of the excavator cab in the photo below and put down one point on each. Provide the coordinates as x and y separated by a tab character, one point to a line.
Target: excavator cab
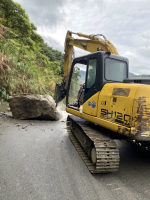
90	73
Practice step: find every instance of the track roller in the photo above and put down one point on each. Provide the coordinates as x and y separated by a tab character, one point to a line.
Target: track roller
98	151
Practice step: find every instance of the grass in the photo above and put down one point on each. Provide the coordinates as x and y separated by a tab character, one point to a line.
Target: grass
25	71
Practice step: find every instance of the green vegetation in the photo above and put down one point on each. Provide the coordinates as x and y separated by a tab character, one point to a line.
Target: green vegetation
27	64
3	94
53	55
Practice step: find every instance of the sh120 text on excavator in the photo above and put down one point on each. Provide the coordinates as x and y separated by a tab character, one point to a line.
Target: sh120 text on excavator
103	102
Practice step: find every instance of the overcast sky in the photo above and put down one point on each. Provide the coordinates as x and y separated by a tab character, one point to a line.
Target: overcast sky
126	23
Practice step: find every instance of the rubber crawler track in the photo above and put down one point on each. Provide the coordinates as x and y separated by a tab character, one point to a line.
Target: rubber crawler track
107	154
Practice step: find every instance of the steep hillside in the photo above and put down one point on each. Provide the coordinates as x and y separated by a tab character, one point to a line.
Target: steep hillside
27	64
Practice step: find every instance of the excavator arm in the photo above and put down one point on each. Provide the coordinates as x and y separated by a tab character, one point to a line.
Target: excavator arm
92	44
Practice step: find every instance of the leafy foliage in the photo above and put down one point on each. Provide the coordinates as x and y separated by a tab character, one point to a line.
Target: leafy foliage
27	64
3	94
53	55
16	19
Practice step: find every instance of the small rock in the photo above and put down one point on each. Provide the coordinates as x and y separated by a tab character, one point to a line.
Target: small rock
2	113
32	124
18	125
24	127
8	109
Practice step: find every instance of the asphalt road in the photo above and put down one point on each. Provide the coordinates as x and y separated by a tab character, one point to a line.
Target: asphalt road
38	161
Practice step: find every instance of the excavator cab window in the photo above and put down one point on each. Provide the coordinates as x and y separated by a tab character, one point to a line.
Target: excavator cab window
77	84
115	70
91	73
82	81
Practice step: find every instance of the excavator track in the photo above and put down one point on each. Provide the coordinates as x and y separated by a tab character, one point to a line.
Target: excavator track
103	149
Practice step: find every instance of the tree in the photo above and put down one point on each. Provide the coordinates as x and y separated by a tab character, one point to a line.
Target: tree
17	19
27	64
53	55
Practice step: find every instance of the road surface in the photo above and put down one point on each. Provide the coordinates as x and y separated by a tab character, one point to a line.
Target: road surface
38	161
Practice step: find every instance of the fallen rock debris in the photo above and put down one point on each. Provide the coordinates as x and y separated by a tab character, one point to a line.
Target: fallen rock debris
30	106
24	127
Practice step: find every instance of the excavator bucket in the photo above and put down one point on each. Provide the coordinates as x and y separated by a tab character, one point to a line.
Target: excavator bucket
59	93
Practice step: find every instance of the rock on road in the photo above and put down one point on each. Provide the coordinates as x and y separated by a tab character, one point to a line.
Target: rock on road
38	161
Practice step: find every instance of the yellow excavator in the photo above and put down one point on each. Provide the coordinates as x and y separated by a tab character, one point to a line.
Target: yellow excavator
104	102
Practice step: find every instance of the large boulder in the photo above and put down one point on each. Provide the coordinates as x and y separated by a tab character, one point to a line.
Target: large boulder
29	106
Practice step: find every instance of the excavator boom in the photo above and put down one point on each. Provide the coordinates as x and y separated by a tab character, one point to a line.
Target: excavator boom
92	44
